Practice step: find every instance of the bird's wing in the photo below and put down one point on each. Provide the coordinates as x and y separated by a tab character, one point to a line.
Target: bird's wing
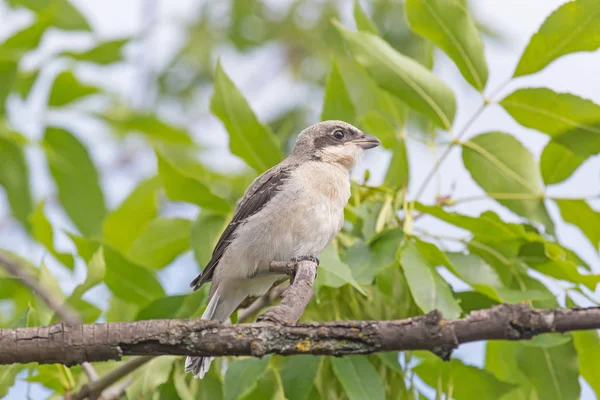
258	194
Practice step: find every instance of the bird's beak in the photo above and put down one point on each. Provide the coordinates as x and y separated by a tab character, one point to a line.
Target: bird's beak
366	142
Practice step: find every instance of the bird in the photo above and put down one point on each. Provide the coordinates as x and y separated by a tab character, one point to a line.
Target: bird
290	212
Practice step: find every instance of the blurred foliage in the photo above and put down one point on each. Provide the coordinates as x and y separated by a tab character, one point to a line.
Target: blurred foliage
382	265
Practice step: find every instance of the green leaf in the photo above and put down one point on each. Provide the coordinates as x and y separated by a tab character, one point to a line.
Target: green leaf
86	248
485	227
42	232
206	231
363	22
573	27
471	300
580	214
501	360
25	82
51	285
8	74
333	272
67	88
448	24
148	378
96	268
403	77
397	174
502	166
125	223
14	177
242	377
552	371
358	378
297	376
569	120
65	16
484	385
558	162
337	104
587	344
25	40
77	180
119	310
248	138
104	53
161	308
181	186
129	281
367	260
161	241
428	288
150	125
8	374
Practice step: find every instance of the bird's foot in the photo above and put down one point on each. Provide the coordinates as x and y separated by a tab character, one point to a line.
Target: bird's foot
306	258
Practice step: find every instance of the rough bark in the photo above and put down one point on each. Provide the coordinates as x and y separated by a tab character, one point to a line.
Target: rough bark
61	343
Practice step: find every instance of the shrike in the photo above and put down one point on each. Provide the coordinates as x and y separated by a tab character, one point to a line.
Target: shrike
291	211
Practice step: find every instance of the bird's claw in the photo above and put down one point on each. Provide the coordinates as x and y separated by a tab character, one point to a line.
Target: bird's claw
307	258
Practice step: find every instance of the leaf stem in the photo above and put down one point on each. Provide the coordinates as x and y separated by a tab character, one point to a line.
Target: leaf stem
461	133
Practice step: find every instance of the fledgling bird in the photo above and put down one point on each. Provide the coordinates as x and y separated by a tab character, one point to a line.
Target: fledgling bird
291	211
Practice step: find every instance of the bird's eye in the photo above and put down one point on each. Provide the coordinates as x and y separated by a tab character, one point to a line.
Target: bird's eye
338	134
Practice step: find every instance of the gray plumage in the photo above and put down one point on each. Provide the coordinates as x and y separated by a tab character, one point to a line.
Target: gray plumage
292	210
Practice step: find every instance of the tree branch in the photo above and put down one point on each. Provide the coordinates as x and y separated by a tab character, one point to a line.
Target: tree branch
61	343
19	271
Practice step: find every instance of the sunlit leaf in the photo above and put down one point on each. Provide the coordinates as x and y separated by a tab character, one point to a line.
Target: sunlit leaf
428	288
42	232
358	377
439	374
161	241
587	344
502	166
569	120
448	24
580	214
248	138
337	104
125	223
297	376
14	178
558	162
67	88
180	186
554	371
242	377
103	53
129	281
333	272
77	180
363	22
571	28
403	77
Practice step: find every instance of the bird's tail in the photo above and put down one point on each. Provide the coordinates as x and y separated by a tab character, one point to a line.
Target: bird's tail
218	309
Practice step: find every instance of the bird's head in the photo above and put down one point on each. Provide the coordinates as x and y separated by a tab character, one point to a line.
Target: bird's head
333	142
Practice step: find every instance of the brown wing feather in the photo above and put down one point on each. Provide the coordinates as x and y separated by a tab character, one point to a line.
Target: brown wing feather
258	194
